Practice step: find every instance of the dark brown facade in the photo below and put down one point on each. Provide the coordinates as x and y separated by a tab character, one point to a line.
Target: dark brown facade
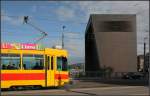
110	41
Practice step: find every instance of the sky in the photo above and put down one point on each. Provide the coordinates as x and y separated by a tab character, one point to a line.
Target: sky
51	16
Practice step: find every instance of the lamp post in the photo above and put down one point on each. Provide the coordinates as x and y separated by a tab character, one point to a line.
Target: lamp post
144	70
63	36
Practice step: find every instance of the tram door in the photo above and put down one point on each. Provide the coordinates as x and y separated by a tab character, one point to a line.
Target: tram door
49	81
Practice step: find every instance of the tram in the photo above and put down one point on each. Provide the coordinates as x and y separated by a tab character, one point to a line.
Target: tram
24	65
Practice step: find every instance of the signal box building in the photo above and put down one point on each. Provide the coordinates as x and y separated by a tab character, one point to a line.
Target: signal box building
110	41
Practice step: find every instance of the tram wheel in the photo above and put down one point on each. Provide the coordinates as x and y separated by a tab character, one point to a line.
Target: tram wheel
13	88
37	87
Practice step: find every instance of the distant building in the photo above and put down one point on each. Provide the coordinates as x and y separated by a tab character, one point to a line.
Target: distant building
140	63
77	66
110	41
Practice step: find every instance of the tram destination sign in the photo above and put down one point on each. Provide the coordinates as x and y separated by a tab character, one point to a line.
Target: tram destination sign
21	46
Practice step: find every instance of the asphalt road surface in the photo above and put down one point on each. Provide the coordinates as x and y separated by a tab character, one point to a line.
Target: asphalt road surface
117	90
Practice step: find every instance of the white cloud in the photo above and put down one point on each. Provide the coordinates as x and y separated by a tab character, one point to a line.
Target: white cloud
75	47
65	13
18	21
15	21
34	8
56	42
72	35
4	17
112	7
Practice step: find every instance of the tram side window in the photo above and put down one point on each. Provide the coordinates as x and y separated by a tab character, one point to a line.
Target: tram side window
62	63
59	63
33	62
10	61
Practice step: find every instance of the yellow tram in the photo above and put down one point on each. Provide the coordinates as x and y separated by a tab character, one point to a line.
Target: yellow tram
29	65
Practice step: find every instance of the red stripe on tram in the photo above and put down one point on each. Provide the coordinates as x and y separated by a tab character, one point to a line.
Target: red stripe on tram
61	76
22	76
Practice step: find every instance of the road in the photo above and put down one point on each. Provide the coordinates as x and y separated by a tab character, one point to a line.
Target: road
117	90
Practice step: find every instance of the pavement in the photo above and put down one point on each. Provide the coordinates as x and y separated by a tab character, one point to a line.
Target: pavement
90	87
98	91
90	84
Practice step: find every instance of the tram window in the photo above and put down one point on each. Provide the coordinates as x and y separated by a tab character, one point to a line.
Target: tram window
62	63
33	62
52	63
10	61
59	63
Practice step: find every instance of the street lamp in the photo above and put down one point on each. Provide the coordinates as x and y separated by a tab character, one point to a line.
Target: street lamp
63	37
144	54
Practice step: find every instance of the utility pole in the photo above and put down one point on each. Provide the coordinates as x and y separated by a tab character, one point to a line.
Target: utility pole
144	68
63	37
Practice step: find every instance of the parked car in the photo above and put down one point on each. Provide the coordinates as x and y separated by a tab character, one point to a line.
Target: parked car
133	75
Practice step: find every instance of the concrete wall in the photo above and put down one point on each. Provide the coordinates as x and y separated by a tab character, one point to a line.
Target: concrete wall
113	43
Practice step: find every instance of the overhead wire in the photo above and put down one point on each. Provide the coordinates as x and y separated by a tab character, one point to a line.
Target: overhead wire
38	19
9	32
43	32
46	18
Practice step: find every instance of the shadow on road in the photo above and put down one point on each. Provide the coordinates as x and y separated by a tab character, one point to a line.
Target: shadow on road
90	94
